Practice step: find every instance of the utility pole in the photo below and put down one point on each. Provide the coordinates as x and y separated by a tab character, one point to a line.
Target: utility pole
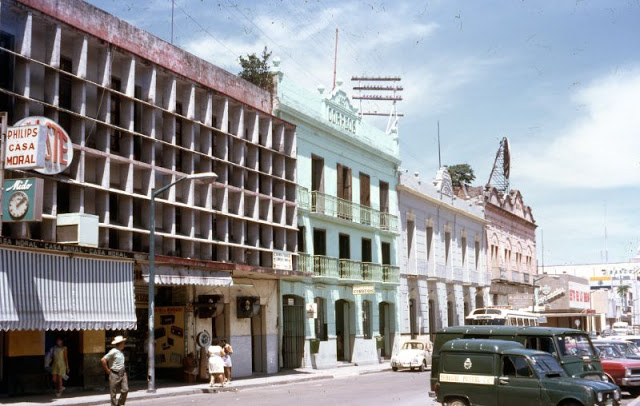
4	117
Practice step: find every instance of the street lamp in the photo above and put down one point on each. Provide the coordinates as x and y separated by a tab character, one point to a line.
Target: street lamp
209	177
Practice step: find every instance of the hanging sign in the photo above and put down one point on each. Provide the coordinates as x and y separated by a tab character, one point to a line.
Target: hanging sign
56	144
25	147
22	200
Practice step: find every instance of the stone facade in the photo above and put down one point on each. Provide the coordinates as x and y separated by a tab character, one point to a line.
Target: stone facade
347	204
511	245
442	250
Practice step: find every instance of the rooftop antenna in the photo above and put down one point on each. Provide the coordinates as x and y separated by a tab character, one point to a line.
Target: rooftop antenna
173	3
439	156
385	85
335	60
499	177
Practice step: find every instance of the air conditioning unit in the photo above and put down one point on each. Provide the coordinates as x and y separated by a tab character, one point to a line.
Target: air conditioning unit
77	228
247	307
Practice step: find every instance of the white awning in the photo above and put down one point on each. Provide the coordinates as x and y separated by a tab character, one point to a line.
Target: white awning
41	291
171	275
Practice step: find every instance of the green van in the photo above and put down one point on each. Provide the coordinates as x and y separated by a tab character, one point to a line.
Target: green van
498	372
572	348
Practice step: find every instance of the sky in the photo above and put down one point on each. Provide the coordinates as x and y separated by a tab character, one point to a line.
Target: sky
560	79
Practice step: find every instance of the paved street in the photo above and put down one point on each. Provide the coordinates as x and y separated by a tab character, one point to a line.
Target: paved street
399	388
350	386
386	388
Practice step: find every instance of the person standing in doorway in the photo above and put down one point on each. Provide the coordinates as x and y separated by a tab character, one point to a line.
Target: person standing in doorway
216	363
59	365
227	359
113	364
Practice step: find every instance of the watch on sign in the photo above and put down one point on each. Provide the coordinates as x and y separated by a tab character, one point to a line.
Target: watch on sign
18	205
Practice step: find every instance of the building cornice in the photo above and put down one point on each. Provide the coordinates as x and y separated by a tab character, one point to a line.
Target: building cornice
326	128
403	188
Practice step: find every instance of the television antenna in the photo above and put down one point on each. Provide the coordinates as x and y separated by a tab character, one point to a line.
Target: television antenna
380	89
499	177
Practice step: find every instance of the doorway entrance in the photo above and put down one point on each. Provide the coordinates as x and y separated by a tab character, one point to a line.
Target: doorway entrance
71	340
292	331
258	343
343	330
385	314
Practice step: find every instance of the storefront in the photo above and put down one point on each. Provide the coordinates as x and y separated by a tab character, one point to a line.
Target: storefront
52	291
566	302
196	302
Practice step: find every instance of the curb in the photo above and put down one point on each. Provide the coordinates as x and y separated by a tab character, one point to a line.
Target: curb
198	391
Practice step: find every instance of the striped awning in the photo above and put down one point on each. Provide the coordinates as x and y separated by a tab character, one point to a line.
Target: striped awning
171	275
40	291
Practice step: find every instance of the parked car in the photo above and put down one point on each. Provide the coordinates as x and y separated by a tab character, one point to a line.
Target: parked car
571	347
414	354
623	371
631	338
626	348
498	372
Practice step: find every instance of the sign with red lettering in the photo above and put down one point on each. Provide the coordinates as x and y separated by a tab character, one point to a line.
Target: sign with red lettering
58	148
579	296
25	147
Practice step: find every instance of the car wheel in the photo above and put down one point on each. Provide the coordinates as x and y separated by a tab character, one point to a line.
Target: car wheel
456	402
423	366
633	391
394	369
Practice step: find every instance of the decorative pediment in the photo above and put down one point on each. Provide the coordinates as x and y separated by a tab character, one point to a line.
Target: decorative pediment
443	182
340	112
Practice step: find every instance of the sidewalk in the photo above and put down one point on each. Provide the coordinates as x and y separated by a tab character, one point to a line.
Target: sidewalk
137	393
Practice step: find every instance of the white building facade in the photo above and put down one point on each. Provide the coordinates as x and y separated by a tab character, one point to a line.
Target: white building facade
443	256
346	311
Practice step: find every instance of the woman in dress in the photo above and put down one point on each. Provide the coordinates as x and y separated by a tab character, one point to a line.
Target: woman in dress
216	364
227	359
59	365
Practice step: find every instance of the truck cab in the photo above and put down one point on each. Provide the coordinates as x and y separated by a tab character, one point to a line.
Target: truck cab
570	347
498	372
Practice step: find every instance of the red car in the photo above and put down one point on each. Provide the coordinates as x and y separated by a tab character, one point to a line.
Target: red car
624	372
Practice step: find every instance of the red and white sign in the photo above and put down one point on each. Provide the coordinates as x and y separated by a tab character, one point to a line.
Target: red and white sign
25	147
579	296
58	148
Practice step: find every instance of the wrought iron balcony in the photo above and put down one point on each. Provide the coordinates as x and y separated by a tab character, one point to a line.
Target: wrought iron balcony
390	273
303	197
350	269
371	272
328	267
322	203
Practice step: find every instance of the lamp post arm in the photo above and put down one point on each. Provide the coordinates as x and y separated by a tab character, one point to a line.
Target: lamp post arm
157	192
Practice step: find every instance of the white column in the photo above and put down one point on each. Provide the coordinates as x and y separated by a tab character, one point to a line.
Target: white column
441	303
458	302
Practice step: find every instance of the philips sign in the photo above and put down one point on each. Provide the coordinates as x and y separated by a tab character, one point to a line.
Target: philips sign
49	139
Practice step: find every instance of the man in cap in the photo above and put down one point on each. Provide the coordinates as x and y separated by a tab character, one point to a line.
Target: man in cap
113	364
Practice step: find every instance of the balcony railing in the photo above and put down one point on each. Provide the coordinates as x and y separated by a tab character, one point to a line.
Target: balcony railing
390	274
344	209
325	266
371	272
475	277
328	267
303	197
516	276
526	277
350	269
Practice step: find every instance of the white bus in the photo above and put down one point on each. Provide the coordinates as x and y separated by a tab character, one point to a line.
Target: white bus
496	316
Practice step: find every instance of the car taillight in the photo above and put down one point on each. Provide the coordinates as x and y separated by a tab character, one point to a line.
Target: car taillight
435	389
